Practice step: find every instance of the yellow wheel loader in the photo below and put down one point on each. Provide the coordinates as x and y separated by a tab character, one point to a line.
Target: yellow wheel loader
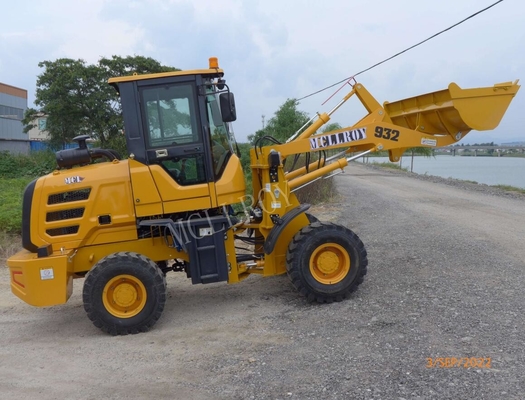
122	224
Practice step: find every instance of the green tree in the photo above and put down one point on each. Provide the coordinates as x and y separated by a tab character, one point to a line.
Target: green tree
285	122
420	151
76	98
331	126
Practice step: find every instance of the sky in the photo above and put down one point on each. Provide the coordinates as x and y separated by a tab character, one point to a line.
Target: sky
272	50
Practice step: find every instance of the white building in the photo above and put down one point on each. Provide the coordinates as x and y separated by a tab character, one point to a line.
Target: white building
39	131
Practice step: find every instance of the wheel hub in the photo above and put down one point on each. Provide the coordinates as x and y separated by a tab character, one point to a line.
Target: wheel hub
330	263
124	296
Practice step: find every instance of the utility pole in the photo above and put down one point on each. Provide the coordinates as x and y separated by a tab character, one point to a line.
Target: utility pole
263	121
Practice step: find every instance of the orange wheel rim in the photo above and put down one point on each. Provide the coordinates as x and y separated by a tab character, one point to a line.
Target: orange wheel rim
124	296
329	263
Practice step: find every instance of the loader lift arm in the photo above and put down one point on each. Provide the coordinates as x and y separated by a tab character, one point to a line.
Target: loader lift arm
430	120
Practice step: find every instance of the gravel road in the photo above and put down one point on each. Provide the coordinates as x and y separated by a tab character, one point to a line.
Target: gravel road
446	278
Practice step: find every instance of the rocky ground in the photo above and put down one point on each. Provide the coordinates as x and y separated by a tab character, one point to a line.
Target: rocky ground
446	277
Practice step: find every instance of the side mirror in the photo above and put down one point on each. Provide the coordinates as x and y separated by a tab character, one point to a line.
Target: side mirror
228	111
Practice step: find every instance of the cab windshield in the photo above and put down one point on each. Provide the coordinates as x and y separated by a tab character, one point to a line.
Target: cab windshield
221	140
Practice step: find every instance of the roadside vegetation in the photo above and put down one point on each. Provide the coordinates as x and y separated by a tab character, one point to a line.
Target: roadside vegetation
16	171
390	165
510	188
11	190
18	165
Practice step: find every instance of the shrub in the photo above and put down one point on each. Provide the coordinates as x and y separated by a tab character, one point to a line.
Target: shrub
320	191
16	171
11	192
117	143
36	164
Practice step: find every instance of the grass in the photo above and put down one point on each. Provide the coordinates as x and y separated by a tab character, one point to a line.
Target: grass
390	165
11	191
16	171
510	188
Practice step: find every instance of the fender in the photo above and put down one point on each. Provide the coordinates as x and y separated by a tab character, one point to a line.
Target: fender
274	234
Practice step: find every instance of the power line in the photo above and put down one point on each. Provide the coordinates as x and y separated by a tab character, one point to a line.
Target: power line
401	52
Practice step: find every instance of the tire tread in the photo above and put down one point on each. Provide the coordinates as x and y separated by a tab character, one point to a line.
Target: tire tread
93	279
294	269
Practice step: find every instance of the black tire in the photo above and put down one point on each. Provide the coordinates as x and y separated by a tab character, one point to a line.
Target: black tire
124	293
326	262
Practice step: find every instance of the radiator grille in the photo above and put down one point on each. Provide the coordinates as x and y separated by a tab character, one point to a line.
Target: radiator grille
66	197
65	214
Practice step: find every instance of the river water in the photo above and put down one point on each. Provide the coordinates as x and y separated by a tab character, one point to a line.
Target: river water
488	170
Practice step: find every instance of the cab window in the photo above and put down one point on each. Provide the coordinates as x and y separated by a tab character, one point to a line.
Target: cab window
171	117
219	137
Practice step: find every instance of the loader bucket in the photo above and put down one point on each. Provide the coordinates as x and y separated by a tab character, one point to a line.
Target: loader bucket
453	110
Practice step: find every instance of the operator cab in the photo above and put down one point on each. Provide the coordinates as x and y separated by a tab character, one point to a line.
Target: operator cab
179	121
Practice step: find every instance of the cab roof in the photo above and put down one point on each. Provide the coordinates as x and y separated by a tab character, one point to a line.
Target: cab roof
212	73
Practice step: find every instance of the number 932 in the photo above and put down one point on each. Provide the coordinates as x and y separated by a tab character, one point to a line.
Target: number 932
386	133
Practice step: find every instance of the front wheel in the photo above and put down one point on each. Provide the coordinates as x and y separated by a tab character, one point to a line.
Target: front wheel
326	262
124	293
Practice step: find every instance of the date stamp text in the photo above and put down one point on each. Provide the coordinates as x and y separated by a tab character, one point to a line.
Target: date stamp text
458	362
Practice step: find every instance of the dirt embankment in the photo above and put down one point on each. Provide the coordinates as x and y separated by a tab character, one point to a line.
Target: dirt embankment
446	277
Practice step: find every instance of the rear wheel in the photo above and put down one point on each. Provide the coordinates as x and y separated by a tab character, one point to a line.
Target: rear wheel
124	293
326	262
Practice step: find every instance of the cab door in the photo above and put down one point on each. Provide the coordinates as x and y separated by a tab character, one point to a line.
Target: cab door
177	148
